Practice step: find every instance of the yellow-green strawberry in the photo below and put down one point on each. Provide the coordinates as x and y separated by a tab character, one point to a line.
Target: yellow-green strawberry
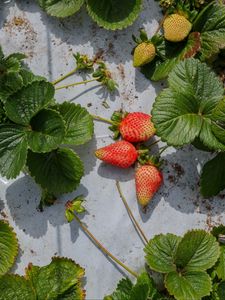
176	28
121	154
144	53
148	180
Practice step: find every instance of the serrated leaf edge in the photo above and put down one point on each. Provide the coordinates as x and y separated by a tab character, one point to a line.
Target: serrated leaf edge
66	259
158	236
116	25
16	240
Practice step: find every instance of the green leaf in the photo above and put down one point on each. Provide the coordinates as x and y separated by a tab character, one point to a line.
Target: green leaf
218	126
27	102
183	112
59	171
213	176
221	291
28	77
211	24
114	14
10	84
169	54
122	291
19	56
61	8
160	252
190	285
15	287
8	247
144	289
220	267
197	251
61	279
218	230
10	79
13	150
47	131
79	123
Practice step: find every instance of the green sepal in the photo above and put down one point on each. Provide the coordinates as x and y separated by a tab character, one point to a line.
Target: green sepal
83	62
74	206
116	118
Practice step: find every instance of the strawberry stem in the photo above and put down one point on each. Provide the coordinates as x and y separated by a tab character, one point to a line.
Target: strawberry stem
154	143
143	151
161	23
74	84
64	76
163	149
97	118
138	227
103	249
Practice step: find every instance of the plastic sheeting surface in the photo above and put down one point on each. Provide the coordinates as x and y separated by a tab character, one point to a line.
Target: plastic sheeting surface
49	44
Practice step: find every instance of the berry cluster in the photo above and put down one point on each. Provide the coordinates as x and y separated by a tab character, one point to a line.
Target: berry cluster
134	128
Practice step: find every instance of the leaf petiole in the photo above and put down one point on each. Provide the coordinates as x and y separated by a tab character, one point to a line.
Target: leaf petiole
64	76
74	84
161	23
130	213
97	118
154	143
103	249
163	149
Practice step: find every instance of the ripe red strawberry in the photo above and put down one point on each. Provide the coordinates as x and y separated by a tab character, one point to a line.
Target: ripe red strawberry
121	154
148	180
137	127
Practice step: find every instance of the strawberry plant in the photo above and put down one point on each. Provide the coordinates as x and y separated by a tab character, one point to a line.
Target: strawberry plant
61	279
191	111
188	32
34	129
110	15
188	267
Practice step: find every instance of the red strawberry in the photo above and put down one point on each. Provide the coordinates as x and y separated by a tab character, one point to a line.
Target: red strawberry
148	180
137	127
121	154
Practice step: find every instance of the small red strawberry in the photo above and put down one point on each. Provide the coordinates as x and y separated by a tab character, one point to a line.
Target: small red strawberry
148	180
121	154
137	127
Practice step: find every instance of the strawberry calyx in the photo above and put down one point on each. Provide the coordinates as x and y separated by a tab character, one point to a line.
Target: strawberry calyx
116	119
183	9
145	158
143	37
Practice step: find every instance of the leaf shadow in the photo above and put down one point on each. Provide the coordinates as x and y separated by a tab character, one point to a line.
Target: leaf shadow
4	10
181	189
23	197
2	206
141	84
86	31
87	156
114	173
